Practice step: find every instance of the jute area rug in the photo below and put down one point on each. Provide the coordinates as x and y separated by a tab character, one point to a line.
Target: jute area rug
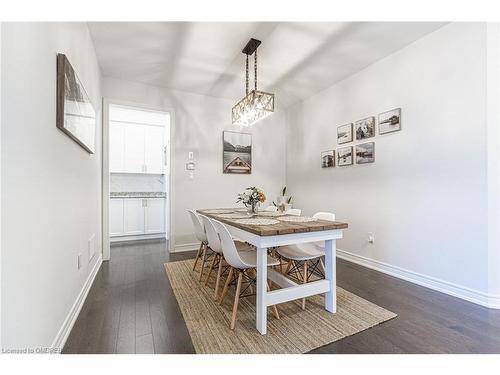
298	331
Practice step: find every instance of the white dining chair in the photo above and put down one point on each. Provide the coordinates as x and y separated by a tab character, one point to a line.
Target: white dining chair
293	212
271	209
308	254
242	263
199	231
214	244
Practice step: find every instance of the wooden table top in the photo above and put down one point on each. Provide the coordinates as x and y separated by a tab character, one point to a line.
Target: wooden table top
273	229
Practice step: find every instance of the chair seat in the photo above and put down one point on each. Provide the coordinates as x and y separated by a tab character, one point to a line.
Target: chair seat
250	258
303	251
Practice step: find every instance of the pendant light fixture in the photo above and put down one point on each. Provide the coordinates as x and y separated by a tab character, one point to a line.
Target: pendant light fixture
256	105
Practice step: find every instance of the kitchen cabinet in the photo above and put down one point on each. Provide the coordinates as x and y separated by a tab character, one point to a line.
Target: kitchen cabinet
116	212
136	148
136	216
133	216
154	216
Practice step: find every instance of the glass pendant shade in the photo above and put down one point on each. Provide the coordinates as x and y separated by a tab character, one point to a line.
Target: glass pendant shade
257	105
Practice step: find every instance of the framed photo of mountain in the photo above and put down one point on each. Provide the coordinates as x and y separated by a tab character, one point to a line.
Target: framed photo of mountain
389	121
237	153
75	113
365	128
344	134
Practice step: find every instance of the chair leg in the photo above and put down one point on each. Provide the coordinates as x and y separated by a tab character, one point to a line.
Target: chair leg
236	299
217	280
304	280
275	308
211	268
289	265
226	285
203	260
197	256
322	265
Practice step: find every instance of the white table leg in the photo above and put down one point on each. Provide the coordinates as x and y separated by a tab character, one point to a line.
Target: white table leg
261	307
331	276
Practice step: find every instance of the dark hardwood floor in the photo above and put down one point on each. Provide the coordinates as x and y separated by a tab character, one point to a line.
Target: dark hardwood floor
131	308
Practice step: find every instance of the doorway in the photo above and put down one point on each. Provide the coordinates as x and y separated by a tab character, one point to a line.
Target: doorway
136	174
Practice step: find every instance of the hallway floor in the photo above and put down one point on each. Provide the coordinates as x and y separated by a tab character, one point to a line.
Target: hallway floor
131	308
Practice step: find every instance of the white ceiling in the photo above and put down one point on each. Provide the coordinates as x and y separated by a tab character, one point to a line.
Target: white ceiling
296	59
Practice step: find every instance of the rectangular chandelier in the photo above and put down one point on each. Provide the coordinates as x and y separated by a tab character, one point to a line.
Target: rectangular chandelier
256	106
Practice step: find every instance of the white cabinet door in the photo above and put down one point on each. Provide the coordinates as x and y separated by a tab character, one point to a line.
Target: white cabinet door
134	216
154	149
116	147
134	148
116	223
155	215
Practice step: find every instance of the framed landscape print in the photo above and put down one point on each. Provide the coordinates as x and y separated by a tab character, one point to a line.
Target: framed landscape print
328	159
344	156
237	153
344	133
365	153
389	121
75	112
365	128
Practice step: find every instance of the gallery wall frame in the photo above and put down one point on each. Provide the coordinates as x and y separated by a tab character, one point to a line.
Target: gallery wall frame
345	156
328	159
389	121
345	133
365	153
365	128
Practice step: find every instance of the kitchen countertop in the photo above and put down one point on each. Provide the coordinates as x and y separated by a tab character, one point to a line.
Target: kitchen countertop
138	194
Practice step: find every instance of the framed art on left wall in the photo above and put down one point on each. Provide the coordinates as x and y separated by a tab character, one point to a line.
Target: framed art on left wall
75	113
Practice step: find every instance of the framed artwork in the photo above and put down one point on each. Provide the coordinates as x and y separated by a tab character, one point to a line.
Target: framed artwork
75	113
344	156
237	153
389	121
328	159
344	134
365	128
365	153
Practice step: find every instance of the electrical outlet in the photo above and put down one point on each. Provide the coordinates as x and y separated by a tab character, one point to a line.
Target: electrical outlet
371	237
79	261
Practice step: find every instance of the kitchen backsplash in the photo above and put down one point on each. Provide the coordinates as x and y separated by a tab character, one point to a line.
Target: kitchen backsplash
136	182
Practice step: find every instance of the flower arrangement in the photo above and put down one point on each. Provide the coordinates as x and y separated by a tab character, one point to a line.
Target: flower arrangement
251	197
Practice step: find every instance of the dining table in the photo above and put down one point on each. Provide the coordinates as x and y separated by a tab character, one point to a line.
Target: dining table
266	230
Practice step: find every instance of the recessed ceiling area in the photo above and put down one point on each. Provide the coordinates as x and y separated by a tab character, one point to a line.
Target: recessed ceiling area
295	61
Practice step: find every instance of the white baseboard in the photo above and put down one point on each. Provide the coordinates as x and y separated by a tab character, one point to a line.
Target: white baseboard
68	323
137	237
468	294
186	247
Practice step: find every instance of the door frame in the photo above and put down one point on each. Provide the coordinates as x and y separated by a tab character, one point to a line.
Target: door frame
105	188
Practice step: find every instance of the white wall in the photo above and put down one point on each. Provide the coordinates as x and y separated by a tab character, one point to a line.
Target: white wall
50	186
425	197
198	124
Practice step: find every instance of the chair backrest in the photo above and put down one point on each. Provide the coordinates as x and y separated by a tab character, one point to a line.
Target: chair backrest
199	230
212	236
231	255
271	209
324	216
293	212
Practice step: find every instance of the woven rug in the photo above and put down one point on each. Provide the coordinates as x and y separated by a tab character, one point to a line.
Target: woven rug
298	331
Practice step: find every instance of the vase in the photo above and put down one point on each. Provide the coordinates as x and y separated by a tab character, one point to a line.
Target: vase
254	207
